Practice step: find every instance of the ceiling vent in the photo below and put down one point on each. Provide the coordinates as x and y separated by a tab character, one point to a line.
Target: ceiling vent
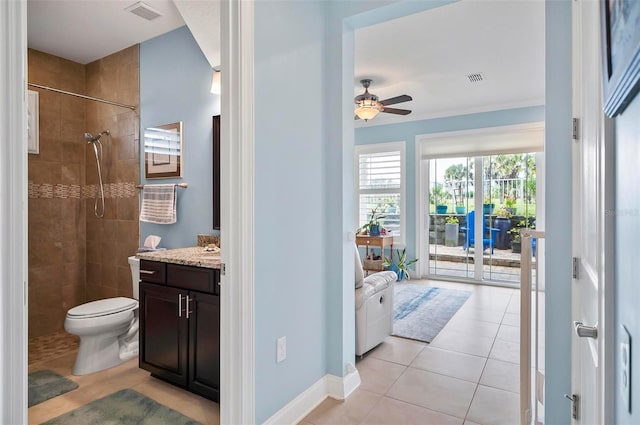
144	11
475	77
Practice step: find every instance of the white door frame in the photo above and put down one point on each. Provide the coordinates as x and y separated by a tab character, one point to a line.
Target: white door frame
605	390
13	212
237	332
237	341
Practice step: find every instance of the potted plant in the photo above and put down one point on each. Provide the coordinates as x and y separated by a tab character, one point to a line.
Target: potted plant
460	208
510	202
401	265
373	225
503	223
515	235
503	212
488	206
451	231
439	196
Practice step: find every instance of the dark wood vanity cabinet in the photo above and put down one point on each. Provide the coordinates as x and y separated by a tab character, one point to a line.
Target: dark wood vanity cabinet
180	326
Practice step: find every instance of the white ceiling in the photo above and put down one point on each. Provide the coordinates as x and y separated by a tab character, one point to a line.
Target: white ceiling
428	56
86	30
425	55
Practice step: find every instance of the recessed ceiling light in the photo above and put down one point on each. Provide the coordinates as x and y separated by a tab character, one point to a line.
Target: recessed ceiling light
143	10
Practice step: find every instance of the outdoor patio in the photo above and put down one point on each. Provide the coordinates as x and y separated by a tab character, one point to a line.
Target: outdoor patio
453	261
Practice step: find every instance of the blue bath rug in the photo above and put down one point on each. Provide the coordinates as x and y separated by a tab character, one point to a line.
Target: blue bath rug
46	384
420	312
124	407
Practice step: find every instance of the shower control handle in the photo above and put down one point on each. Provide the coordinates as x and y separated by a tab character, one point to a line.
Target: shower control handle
179	305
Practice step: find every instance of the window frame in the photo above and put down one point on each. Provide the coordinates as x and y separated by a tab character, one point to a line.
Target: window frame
399	146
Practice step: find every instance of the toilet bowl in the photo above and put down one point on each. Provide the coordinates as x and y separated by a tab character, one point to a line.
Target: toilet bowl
108	329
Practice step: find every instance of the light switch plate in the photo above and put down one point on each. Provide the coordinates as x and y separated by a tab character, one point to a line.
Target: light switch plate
625	367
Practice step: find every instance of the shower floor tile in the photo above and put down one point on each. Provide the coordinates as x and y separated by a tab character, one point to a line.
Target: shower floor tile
52	346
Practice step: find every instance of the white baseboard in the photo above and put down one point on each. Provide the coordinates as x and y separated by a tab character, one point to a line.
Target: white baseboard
327	386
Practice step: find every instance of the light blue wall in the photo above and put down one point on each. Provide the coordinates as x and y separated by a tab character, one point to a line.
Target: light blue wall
290	211
304	161
558	210
627	219
344	17
407	132
175	79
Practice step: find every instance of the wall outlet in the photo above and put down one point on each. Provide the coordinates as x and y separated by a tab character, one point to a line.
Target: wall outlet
625	368
281	349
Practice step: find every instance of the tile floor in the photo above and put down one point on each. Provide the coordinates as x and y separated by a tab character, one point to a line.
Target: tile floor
126	375
469	374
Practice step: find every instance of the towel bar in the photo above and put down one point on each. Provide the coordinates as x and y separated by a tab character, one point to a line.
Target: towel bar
184	185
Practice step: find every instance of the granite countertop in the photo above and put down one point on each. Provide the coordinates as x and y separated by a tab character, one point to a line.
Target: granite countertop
192	256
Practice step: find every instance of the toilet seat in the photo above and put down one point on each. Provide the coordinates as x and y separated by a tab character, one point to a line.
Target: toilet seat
102	308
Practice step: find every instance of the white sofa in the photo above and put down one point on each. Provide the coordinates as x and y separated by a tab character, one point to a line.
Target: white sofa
374	306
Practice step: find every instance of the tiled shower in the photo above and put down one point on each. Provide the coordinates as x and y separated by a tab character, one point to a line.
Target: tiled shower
75	257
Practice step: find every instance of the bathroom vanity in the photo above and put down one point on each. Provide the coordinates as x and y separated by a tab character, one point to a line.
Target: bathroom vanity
180	318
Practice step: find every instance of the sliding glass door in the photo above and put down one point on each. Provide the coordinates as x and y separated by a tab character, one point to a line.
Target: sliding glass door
450	199
476	207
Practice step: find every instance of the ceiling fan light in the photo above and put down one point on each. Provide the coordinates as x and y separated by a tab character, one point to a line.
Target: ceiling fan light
367	109
366	113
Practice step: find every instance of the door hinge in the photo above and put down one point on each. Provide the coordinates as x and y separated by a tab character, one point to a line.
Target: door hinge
223	269
575	400
576	267
576	124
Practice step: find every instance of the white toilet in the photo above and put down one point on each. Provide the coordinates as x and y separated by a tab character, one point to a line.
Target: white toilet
108	329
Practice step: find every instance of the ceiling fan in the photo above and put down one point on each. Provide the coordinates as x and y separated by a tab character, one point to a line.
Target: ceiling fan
368	105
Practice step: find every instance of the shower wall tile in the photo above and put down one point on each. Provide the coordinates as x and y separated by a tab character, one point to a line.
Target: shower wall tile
110	228
75	257
99	292
50	148
72	153
46	172
72	295
71	173
115	237
127	209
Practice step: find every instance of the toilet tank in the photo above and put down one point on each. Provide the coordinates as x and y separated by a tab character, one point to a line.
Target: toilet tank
134	264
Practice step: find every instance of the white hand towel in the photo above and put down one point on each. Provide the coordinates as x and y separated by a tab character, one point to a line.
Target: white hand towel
159	203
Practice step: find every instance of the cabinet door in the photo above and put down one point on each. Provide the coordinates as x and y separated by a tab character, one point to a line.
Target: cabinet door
163	333
204	345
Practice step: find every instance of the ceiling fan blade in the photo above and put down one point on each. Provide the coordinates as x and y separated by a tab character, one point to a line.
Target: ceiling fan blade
397	99
396	111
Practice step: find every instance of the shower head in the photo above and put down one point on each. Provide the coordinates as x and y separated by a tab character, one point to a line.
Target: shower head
91	139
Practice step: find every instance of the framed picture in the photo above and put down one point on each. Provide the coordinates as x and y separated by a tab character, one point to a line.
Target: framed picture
163	151
620	29
33	122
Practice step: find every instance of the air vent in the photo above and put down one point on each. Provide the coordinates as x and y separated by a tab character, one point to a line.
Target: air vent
475	77
144	11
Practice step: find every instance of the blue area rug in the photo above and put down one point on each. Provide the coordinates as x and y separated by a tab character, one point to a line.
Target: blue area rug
420	312
125	407
46	384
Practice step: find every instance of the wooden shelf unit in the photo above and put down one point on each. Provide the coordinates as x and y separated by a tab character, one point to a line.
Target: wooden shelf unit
381	242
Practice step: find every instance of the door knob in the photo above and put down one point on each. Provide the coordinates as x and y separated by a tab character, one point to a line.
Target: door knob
584	331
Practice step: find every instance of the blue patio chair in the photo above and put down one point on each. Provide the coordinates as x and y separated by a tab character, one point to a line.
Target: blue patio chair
469	230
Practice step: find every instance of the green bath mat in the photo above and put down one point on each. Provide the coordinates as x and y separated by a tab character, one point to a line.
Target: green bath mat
126	407
46	384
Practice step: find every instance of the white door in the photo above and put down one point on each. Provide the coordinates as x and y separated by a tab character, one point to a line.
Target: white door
588	225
